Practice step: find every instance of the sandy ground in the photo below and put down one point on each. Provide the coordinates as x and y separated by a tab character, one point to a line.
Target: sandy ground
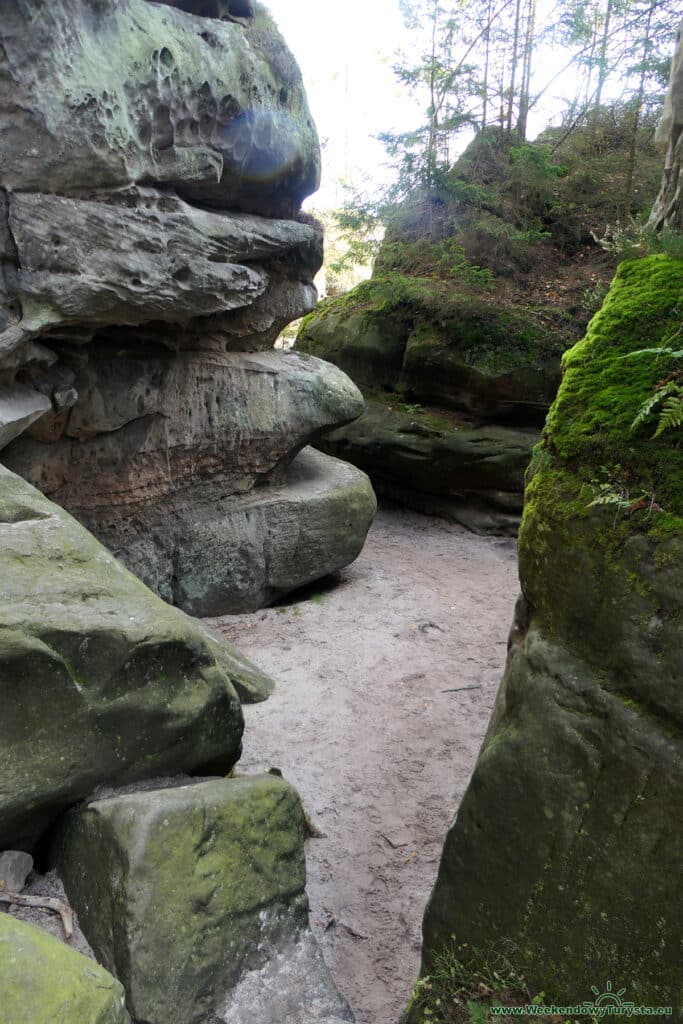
386	679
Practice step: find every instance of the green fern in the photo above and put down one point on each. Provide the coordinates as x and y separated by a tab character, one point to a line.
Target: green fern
661	351
671	414
651	403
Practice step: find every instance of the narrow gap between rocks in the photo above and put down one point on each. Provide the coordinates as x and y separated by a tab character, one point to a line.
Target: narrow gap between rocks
385	684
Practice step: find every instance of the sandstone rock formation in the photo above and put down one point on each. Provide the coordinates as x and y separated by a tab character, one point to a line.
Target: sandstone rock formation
440	463
101	682
475	381
151	249
44	982
565	852
182	890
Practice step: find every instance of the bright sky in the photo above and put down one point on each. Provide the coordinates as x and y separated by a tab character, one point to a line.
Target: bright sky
345	51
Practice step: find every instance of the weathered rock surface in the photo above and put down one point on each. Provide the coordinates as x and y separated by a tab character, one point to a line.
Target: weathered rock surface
141	255
181	891
151	250
19	408
440	465
44	982
101	681
239	553
179	463
565	851
420	338
15	867
182	97
293	986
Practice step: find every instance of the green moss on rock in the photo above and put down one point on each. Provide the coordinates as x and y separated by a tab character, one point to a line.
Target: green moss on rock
564	850
42	981
438	342
179	891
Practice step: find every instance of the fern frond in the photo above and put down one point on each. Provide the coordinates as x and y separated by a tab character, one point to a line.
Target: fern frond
652	401
661	351
671	415
611	499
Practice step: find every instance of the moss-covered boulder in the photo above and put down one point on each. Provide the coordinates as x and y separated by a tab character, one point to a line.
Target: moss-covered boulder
42	981
566	852
100	681
440	463
436	342
181	891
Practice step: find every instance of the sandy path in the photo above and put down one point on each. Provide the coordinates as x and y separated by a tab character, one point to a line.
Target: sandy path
360	723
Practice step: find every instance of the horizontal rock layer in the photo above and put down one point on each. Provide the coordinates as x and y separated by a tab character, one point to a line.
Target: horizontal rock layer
440	465
139	256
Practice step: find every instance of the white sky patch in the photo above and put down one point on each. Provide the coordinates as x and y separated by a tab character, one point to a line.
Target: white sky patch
346	51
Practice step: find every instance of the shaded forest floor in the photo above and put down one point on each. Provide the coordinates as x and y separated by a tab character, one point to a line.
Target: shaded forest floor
386	679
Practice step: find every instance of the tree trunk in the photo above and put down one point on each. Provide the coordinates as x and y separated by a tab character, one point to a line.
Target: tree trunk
513	67
524	93
667	213
631	166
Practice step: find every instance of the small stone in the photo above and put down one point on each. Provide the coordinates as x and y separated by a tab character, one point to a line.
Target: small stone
15	867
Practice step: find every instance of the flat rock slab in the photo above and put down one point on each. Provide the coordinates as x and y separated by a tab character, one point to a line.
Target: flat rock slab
44	982
20	406
100	681
180	891
237	553
15	867
474	475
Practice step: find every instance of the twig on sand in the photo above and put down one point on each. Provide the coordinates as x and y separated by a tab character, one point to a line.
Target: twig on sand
352	931
392	844
43	903
459	689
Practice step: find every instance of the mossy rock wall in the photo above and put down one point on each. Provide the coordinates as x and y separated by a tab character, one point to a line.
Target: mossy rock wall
565	851
438	344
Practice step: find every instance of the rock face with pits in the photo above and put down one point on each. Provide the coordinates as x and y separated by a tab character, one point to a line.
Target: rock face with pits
151	250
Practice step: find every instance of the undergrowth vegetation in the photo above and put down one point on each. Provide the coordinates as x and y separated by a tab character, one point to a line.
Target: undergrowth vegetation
470	986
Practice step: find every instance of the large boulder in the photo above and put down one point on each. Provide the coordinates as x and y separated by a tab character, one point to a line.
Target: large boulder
565	852
181	891
436	344
44	982
245	551
184	96
101	681
151	250
441	464
181	465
